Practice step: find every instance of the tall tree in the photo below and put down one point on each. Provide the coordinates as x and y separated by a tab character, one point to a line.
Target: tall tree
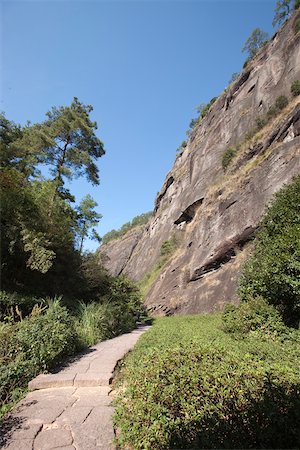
283	11
255	41
67	143
87	219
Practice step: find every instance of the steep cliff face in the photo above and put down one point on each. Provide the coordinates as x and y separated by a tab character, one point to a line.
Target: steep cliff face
212	214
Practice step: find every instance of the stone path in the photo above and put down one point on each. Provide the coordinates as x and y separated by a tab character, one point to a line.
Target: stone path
71	408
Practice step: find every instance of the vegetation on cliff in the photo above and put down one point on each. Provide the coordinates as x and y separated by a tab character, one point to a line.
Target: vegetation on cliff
142	219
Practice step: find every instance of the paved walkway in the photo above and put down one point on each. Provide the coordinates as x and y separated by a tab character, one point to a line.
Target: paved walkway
71	408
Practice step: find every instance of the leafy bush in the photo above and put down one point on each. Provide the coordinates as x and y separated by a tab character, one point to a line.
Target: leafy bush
255	315
281	102
189	385
277	255
227	157
33	345
295	88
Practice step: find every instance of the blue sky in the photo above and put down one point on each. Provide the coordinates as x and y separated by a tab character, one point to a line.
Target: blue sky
144	65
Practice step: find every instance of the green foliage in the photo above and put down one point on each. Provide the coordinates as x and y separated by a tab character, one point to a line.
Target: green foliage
255	42
255	316
297	4
295	88
277	255
92	323
280	103
45	338
228	157
87	218
66	142
32	345
39	227
181	147
189	385
14	307
142	219
202	110
282	11
168	247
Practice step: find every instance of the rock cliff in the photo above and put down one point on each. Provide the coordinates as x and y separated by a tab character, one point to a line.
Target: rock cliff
210	213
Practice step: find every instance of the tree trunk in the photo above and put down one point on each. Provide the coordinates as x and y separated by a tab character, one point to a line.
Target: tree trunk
58	178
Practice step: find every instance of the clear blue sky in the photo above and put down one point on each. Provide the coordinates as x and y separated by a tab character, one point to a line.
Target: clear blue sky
144	65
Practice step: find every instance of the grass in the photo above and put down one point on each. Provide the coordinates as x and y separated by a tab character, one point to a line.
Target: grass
188	384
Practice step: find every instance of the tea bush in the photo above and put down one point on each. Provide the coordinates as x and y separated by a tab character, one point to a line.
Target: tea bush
187	384
255	315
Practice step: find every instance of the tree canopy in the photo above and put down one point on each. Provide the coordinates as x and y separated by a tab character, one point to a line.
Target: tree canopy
255	42
41	232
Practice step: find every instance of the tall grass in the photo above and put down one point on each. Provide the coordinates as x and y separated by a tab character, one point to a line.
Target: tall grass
91	323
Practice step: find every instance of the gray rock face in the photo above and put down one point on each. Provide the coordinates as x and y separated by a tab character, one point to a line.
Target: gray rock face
214	214
117	253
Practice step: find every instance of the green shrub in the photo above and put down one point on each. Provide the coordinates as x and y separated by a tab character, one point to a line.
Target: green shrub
295	88
188	385
277	255
227	157
31	346
255	315
297	4
281	102
261	122
46	338
167	248
297	27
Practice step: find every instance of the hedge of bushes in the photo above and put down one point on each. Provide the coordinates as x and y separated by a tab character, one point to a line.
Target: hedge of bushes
188	384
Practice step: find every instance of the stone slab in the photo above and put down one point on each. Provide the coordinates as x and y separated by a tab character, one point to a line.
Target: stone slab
74	415
27	431
52	438
92	379
51	380
25	444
